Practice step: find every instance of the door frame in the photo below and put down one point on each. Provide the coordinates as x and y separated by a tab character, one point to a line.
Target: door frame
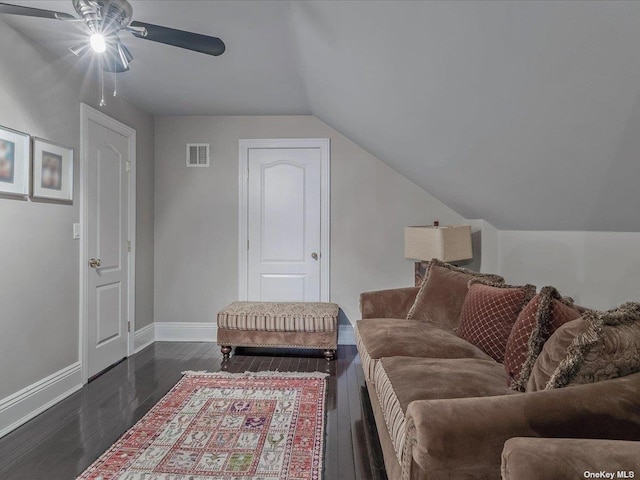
87	114
324	145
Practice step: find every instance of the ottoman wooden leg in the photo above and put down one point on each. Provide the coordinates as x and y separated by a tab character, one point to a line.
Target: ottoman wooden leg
329	354
226	350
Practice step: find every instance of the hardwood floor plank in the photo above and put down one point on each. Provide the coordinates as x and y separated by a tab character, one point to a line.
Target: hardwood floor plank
345	445
295	365
331	431
362	466
61	442
265	364
285	364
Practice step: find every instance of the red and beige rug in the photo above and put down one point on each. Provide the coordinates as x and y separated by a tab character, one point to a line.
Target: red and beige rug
220	426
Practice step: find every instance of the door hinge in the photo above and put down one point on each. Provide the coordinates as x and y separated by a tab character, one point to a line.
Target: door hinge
129	327
128	245
128	167
247	244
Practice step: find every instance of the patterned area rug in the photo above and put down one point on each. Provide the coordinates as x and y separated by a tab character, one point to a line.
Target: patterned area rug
220	426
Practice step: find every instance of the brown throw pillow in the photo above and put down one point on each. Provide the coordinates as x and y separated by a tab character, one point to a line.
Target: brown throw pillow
553	352
489	312
542	316
608	348
442	293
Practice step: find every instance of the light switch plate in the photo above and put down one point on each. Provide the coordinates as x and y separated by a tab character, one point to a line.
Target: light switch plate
76	231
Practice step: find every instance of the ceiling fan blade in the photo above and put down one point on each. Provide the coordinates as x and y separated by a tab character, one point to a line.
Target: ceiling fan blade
9	9
179	38
80	49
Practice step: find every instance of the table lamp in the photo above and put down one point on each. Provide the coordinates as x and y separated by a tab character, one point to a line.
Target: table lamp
449	243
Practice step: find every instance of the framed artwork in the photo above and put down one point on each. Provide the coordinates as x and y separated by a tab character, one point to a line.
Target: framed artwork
14	162
52	171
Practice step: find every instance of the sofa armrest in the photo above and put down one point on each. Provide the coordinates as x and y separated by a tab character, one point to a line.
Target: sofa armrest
394	303
568	458
470	432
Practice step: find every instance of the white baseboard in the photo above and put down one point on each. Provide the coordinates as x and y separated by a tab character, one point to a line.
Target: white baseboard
144	337
186	332
346	335
22	406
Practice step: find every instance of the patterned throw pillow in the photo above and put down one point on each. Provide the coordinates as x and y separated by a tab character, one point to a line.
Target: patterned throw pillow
442	293
553	352
608	348
489	312
542	316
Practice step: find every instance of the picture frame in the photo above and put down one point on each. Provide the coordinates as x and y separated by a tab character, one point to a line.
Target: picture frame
15	162
52	171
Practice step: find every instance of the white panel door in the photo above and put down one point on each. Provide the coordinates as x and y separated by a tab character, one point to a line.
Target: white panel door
284	224
107	163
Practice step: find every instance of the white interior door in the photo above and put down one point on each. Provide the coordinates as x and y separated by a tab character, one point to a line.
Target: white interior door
107	245
284	224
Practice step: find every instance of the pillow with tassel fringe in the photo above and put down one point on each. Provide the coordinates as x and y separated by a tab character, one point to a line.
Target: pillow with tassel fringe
597	346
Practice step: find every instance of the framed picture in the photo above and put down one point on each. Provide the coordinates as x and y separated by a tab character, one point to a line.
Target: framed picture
52	171
14	162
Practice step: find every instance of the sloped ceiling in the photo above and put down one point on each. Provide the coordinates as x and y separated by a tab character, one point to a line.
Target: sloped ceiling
526	114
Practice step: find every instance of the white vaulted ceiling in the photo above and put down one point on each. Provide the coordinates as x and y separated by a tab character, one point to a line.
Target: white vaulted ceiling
526	114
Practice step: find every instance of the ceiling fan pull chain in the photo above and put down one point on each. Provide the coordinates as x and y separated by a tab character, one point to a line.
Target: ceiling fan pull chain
102	102
115	76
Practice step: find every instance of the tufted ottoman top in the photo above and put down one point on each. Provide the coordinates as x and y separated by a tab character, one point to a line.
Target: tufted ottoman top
280	316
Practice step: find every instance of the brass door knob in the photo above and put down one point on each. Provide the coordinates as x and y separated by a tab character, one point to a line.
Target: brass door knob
314	255
93	263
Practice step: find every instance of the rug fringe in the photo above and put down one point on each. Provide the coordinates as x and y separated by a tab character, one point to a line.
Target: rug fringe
269	373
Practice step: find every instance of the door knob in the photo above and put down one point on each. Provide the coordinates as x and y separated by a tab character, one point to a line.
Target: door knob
93	263
314	255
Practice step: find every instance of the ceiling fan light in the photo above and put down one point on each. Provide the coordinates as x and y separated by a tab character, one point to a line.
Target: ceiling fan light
125	55
98	43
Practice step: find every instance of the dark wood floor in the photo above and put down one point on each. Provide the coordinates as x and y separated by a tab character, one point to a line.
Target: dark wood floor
61	442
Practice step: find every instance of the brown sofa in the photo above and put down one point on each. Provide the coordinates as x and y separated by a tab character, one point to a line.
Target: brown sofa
527	458
443	407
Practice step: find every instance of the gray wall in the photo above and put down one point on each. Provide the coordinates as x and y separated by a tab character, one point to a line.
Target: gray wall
41	95
196	215
598	269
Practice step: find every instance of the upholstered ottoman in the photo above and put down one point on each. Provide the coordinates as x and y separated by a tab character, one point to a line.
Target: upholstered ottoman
279	324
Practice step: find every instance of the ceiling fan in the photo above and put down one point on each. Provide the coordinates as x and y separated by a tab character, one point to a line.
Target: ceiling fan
105	19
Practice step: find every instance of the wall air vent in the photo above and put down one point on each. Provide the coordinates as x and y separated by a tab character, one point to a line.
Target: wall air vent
197	154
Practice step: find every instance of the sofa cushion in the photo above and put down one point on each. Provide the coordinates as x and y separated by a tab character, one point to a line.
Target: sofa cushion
542	316
489	312
597	346
379	337
401	380
442	293
530	458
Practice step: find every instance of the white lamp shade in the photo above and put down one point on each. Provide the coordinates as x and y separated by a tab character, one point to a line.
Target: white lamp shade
449	243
